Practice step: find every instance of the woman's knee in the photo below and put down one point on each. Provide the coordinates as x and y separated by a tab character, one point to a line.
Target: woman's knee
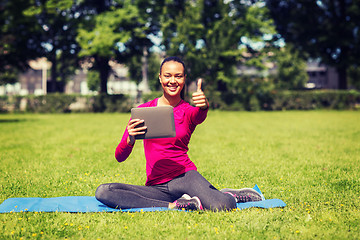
102	192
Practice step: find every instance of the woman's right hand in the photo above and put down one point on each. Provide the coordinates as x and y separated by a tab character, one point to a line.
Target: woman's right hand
133	130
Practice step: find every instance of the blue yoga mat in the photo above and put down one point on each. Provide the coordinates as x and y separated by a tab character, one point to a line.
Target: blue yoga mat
90	204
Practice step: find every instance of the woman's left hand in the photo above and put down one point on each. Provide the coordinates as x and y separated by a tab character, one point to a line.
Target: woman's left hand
199	97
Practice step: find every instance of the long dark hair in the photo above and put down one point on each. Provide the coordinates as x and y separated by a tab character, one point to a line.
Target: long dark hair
176	59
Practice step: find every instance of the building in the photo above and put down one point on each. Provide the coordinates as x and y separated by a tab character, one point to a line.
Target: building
31	82
321	76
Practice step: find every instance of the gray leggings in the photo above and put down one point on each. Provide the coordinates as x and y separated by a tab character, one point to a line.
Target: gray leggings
119	195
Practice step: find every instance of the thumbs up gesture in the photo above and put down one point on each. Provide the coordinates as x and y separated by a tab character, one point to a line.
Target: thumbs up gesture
199	98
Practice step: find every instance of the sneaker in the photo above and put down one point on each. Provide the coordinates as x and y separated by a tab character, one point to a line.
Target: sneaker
185	196
188	203
243	195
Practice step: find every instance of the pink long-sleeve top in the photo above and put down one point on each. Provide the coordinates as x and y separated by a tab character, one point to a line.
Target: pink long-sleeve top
167	158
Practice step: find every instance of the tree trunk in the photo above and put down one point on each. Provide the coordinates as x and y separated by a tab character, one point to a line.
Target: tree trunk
104	71
144	70
342	77
53	73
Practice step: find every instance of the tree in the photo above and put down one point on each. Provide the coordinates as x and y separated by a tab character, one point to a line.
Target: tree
118	31
325	29
110	30
181	32
134	65
354	77
59	22
35	29
20	38
291	69
210	35
93	80
139	48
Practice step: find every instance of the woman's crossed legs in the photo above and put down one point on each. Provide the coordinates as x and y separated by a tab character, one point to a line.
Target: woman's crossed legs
119	195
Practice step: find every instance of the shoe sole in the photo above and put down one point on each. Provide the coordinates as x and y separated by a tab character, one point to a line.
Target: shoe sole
245	190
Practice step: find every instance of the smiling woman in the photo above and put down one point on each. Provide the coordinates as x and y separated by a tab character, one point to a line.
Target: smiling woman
172	78
172	178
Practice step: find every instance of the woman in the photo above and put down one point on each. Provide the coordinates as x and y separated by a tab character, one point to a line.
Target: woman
172	178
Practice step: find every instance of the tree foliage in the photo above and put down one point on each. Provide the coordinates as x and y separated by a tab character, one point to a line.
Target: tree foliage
106	39
134	65
119	30
210	36
93	80
291	67
19	39
325	29
111	30
354	76
58	21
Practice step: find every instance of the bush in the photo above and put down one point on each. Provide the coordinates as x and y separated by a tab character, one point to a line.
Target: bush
50	103
254	104
150	96
110	103
63	103
317	99
338	99
285	100
250	101
3	101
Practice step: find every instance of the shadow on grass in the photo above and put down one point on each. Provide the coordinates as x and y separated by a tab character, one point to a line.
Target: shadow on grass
13	120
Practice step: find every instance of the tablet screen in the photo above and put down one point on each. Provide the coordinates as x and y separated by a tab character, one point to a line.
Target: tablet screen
159	121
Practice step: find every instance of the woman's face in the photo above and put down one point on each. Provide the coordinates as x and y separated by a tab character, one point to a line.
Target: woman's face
172	78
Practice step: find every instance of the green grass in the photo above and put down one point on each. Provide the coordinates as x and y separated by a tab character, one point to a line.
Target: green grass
308	159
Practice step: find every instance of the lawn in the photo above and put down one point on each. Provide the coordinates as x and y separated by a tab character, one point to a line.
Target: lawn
308	159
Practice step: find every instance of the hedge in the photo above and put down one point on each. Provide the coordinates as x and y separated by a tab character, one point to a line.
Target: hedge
64	103
253	101
286	100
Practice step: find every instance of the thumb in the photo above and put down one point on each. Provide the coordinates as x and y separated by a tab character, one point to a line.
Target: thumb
199	83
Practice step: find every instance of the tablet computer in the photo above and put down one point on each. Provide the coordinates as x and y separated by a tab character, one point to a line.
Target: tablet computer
159	121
